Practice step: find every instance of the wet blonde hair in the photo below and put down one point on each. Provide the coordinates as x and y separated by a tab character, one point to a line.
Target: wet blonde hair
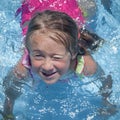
61	25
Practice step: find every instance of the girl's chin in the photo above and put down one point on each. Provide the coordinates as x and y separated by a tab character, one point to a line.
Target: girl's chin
52	81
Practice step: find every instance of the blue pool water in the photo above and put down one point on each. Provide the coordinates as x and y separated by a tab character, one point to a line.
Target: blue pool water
107	25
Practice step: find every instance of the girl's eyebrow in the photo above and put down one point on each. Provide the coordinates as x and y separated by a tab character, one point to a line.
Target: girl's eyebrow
60	54
36	50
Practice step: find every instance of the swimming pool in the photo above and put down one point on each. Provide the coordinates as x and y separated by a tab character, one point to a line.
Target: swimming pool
107	26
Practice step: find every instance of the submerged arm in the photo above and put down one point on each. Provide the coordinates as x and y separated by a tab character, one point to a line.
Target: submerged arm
12	87
106	82
105	90
92	68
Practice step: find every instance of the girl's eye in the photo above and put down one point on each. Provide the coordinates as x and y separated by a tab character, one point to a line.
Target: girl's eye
58	57
38	56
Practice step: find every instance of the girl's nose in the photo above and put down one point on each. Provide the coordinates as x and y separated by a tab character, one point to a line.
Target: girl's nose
47	65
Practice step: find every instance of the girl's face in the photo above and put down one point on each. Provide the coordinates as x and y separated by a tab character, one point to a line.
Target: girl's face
49	59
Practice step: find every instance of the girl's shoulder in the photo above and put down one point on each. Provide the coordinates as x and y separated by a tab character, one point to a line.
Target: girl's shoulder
86	65
90	66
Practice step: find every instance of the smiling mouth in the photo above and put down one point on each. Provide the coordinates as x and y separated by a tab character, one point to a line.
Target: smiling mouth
48	74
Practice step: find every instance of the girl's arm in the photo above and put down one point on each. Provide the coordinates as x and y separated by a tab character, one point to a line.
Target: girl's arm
12	89
90	65
92	68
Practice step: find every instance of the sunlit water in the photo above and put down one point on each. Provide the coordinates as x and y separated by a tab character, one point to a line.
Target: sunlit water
88	101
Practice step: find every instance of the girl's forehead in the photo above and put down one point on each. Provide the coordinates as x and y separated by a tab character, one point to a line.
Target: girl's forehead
45	42
57	36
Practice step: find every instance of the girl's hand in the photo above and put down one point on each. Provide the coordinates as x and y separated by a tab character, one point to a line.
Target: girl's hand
20	71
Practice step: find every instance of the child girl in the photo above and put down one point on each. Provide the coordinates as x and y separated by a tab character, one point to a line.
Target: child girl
88	40
66	56
53	50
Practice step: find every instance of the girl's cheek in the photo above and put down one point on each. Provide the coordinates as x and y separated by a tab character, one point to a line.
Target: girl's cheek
63	66
35	64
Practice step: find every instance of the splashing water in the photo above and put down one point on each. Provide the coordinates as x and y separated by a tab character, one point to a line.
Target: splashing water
108	56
